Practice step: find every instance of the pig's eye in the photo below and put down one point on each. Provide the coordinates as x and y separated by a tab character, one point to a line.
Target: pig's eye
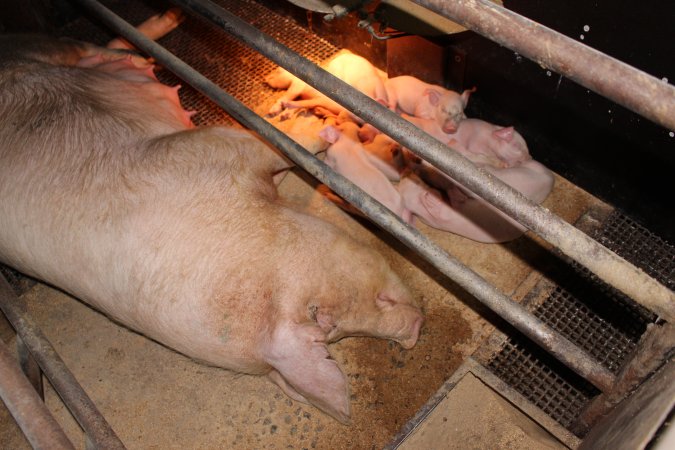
384	302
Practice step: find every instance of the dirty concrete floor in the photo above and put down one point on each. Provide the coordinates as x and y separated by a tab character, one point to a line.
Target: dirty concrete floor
156	398
487	421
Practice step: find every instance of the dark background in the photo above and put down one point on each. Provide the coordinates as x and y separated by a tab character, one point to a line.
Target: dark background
615	154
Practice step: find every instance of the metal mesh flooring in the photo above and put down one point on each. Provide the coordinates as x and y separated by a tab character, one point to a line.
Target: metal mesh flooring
235	67
594	316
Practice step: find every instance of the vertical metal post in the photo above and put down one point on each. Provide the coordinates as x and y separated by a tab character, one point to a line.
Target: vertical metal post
65	384
27	408
30	367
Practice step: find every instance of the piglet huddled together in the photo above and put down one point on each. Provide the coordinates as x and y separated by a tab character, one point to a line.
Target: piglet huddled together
397	178
109	192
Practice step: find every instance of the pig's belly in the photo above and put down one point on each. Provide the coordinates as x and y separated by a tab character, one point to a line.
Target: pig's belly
75	212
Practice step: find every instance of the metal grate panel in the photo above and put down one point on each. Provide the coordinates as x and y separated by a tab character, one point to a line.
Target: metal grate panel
591	314
541	379
640	246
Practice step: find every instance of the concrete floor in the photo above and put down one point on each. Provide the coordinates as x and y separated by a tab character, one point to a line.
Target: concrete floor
154	397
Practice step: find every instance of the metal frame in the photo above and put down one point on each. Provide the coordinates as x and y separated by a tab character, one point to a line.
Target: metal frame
24	403
98	433
604	263
577	359
613	269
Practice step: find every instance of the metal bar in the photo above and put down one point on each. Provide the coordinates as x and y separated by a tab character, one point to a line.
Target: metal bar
63	381
575	358
29	411
616	80
573	242
30	367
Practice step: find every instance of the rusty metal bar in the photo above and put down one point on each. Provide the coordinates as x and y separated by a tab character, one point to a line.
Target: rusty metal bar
74	397
606	264
30	367
561	348
616	80
29	411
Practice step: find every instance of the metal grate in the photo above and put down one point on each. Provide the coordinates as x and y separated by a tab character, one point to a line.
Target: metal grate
594	316
640	246
541	379
235	67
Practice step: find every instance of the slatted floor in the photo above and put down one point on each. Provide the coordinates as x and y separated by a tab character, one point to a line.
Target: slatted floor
592	315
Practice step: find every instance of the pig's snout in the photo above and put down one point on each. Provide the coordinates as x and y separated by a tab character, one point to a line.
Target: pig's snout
450	125
402	323
408	343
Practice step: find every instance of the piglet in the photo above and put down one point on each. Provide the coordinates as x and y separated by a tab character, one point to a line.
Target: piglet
472	219
353	69
347	156
153	28
386	155
410	95
503	145
480	155
176	232
466	214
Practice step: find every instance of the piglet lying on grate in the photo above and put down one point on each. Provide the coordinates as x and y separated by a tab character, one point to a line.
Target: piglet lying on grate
109	192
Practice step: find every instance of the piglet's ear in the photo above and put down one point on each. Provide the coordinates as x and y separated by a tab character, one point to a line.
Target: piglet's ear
505	134
330	134
434	96
466	94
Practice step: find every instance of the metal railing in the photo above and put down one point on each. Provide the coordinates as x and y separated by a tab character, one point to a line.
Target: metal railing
98	433
363	106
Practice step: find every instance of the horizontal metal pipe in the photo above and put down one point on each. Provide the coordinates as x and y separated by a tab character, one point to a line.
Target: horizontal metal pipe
636	90
573	242
571	355
25	405
56	371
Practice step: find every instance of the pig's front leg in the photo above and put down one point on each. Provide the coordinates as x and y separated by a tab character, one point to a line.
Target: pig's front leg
473	219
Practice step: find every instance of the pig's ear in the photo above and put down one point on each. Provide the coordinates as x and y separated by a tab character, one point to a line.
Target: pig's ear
299	353
466	94
505	134
434	96
330	134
